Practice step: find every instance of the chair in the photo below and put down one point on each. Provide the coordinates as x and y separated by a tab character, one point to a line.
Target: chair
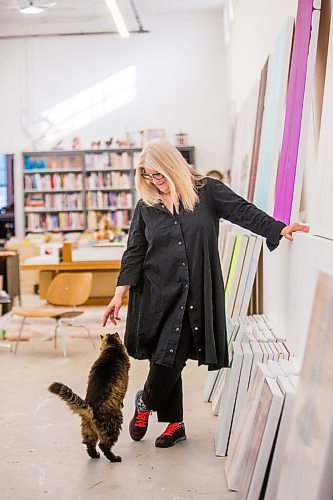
66	289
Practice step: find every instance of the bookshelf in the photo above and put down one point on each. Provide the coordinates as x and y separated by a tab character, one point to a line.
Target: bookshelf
70	190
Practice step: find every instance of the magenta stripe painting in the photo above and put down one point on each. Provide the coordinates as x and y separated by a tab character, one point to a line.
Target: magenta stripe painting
294	110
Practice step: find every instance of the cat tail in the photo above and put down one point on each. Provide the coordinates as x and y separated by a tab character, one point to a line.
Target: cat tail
76	404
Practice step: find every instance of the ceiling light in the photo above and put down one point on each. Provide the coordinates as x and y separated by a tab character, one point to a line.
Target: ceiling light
31	9
118	18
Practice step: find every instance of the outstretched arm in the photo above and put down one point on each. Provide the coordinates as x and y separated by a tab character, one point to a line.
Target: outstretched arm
232	207
131	266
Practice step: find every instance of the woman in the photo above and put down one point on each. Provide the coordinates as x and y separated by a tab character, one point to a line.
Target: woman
172	269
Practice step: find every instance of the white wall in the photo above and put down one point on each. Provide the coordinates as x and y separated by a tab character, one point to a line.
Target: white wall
253	31
179	83
290	279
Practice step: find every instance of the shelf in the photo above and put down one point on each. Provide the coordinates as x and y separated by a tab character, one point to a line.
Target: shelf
108	209
38	231
53	190
97	228
87	164
44	210
78	170
110	188
111	169
78	152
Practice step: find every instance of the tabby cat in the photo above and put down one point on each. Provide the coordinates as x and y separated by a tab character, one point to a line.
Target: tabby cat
101	410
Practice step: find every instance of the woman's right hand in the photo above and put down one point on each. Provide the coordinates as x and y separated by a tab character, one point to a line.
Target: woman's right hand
112	310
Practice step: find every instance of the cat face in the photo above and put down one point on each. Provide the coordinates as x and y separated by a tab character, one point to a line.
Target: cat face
110	340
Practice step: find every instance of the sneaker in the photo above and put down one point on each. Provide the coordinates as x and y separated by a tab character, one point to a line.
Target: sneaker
173	434
139	424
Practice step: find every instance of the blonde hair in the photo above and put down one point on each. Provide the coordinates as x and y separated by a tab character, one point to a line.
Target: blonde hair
183	179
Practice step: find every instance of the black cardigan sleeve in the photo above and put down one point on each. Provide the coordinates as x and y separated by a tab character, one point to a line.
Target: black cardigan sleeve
133	257
230	206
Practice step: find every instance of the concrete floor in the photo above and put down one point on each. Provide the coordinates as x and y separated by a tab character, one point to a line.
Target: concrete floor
41	454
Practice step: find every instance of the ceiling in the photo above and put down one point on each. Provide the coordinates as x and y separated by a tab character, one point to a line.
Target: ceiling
91	15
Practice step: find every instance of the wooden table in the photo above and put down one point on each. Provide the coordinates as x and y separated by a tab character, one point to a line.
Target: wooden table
105	275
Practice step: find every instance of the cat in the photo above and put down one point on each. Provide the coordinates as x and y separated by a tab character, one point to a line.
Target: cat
101	410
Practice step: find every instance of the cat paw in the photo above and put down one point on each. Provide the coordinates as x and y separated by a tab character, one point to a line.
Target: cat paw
93	453
116	459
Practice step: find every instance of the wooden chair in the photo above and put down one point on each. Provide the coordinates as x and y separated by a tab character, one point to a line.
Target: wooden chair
66	289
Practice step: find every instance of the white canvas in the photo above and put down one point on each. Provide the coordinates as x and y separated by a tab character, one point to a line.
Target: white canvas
234	464
243	383
209	385
218	390
288	391
244	276
308	460
227	254
224	422
275	103
257	358
322	222
259	447
250	277
235	272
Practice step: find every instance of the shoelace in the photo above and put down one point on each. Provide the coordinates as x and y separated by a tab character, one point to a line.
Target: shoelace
142	418
171	429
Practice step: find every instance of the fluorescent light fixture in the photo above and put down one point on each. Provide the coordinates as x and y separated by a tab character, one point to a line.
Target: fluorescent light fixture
118	18
31	9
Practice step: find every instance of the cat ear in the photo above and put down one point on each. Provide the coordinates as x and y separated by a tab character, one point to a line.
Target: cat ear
101	337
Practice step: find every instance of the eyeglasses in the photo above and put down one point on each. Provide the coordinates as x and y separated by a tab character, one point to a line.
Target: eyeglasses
150	177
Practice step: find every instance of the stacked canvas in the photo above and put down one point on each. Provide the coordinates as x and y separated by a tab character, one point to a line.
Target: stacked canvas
239	255
265	343
282	445
252	468
249	345
239	252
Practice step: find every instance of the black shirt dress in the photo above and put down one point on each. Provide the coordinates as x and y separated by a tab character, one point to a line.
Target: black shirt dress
172	264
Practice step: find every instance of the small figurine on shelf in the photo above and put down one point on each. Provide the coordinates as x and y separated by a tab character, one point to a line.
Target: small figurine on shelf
123	143
95	144
109	142
181	139
76	143
105	228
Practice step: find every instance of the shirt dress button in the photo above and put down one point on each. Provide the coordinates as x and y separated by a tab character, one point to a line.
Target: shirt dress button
163	206
182	307
183	264
196	328
171	350
191	307
175	222
179	242
177	329
200	350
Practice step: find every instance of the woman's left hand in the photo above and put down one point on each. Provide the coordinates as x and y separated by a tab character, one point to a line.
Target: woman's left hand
289	230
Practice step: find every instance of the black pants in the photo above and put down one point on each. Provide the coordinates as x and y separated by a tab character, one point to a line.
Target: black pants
163	390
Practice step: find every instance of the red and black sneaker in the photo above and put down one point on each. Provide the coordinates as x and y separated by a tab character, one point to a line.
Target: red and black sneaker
139	424
173	434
